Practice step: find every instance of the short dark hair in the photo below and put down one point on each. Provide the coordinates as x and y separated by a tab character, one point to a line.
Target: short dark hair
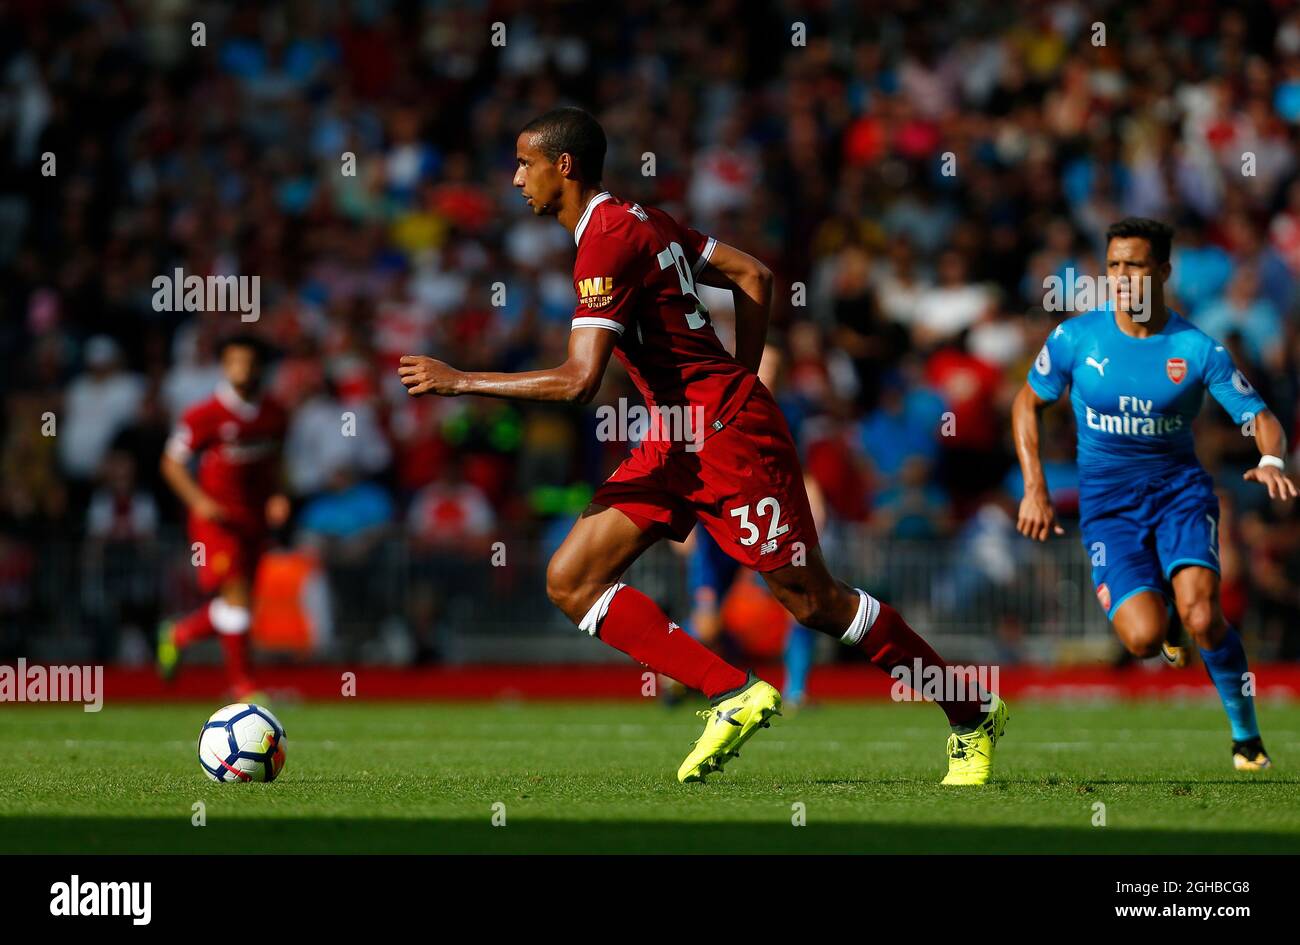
245	339
571	131
1159	235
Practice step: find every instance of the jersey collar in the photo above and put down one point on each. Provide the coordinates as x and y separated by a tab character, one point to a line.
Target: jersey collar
586	214
246	410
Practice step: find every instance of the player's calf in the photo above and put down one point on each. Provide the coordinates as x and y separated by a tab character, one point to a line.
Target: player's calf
812	596
1196	591
582	580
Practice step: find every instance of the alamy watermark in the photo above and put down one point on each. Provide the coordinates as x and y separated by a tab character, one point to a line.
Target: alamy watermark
181	293
1075	292
637	423
78	897
23	683
920	683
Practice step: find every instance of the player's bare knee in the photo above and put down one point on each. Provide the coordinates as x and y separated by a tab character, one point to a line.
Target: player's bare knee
1143	646
1144	641
564	587
1142	637
1202	620
1146	649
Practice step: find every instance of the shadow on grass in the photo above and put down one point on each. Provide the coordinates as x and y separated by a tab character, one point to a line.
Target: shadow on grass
354	835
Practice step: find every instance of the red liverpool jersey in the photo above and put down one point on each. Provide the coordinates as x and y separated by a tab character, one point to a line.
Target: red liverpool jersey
635	275
238	443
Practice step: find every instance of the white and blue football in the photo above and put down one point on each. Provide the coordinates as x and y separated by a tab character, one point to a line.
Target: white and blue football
242	742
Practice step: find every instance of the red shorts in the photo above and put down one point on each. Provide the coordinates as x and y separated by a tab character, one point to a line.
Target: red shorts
744	485
229	551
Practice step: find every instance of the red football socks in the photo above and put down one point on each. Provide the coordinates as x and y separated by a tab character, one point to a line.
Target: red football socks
195	627
635	625
890	642
234	645
234	649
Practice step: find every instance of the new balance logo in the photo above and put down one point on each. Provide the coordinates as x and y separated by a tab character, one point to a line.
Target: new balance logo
1101	367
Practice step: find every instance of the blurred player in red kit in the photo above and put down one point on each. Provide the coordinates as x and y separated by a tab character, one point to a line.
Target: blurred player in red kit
234	502
733	468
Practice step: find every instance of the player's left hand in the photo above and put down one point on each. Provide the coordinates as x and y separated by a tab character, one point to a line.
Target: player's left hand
423	375
277	510
1279	484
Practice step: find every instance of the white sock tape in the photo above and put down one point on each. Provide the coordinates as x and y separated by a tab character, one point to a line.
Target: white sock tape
228	618
591	622
868	611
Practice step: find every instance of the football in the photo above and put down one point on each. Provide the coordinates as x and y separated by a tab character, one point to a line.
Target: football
242	742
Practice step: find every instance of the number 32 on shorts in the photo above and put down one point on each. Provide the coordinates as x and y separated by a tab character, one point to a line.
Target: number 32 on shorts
768	507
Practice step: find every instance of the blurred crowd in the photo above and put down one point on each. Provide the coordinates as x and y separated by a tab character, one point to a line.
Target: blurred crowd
912	171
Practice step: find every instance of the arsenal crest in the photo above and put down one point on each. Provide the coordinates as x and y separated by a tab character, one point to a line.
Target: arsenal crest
1176	368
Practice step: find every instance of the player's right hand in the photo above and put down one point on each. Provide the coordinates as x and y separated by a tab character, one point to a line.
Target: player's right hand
423	375
208	510
1037	520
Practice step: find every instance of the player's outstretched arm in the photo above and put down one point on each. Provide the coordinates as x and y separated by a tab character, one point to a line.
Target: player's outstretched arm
1037	520
1271	440
188	490
751	284
575	381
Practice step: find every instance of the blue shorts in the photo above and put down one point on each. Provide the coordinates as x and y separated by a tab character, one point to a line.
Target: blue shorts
709	568
1137	535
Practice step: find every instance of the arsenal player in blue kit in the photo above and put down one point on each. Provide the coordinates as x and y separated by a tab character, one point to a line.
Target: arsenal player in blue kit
1138	373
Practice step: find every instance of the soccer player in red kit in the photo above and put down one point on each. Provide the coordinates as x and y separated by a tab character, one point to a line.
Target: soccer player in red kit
234	502
738	474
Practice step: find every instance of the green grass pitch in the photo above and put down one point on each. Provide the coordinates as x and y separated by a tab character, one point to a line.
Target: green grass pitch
422	778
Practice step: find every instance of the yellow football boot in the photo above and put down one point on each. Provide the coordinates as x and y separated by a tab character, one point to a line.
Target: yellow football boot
168	653
1174	650
1250	755
728	725
970	754
1175	656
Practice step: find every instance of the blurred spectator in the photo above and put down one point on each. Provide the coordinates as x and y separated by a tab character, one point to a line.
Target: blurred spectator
872	342
916	508
450	514
329	438
346	516
1201	270
99	405
450	525
120	558
904	427
971	458
1244	312
899	283
952	305
345	525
